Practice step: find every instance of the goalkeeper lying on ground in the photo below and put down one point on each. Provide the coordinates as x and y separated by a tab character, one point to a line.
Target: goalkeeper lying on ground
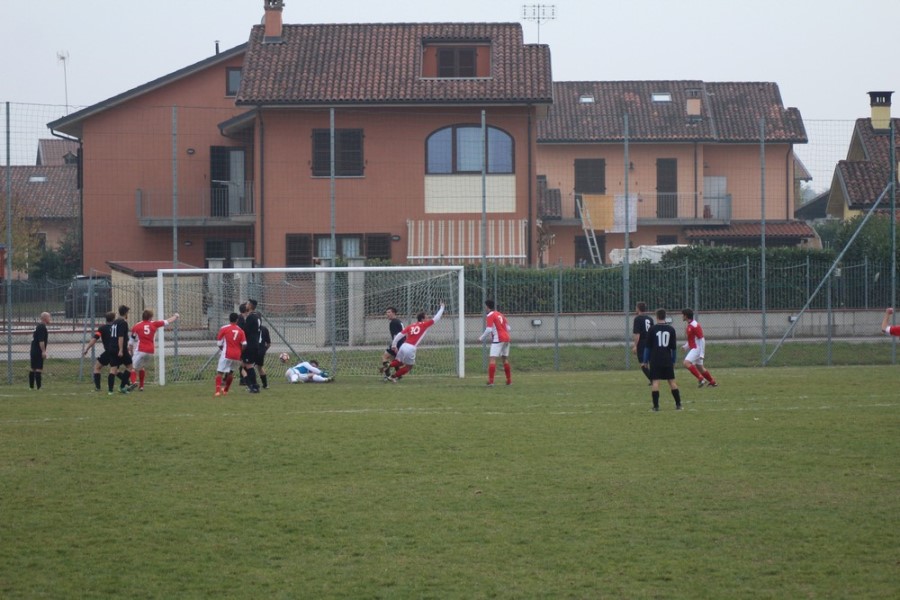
307	372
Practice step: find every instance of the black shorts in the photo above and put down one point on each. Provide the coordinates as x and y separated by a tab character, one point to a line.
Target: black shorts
663	372
261	357
106	358
249	356
119	361
37	359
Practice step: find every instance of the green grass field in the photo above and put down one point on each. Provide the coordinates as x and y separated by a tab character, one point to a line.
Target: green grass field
781	483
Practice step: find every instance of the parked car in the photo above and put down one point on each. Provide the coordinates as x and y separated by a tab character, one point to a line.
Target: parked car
78	296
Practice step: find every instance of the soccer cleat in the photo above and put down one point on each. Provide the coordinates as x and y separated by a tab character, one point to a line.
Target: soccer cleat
110	393
132	387
655	409
218	393
701	383
393	379
141	389
509	383
123	390
490	384
714	384
329	380
678	407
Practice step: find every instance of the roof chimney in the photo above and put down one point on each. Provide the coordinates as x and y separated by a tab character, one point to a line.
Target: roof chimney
881	110
272	21
693	106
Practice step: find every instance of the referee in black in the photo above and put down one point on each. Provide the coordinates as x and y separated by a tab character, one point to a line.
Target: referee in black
38	351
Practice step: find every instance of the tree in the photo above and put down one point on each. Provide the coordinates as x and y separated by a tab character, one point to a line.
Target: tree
872	243
26	244
62	262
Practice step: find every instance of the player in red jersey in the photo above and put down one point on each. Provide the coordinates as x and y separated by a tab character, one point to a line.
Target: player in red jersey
886	327
231	341
696	347
143	335
406	354
497	327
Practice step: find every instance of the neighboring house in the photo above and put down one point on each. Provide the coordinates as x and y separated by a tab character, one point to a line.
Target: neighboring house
47	198
56	151
693	167
864	175
815	210
235	149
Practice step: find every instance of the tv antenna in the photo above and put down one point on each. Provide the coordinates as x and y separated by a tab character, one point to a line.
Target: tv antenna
539	13
63	57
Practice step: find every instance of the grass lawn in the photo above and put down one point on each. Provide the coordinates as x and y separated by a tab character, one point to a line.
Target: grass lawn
781	483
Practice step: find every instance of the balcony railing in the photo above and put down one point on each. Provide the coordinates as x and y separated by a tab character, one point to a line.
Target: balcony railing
652	207
222	204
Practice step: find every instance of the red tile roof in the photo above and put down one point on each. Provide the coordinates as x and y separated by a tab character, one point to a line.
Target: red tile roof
381	64
53	151
751	229
864	180
44	192
729	112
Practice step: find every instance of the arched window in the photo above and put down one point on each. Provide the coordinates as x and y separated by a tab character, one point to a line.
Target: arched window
459	149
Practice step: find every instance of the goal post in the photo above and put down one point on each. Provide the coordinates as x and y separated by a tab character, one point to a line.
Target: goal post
335	315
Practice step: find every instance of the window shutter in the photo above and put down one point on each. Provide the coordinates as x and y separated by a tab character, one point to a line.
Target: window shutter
378	246
298	250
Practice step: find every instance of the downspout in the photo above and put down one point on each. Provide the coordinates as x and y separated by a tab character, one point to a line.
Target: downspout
262	194
531	224
696	189
788	184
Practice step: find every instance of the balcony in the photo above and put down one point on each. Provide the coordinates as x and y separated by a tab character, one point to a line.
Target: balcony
652	208
224	204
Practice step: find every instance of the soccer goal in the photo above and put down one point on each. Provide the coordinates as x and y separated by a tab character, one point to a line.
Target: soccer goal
335	315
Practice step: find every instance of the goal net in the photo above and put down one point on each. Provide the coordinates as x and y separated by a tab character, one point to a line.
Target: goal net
335	315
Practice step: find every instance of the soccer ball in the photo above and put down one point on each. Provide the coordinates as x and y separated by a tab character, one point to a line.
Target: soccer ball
284	357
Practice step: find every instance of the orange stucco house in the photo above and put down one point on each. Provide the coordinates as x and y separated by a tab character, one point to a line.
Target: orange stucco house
693	167
862	178
231	157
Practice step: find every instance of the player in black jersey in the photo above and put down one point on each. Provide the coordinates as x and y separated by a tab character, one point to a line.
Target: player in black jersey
661	350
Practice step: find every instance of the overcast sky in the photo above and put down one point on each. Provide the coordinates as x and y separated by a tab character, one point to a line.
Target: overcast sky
824	54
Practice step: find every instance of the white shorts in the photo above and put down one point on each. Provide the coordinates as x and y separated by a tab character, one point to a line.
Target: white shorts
693	356
407	354
226	365
499	349
139	358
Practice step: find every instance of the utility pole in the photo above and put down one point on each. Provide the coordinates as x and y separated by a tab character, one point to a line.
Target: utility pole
63	57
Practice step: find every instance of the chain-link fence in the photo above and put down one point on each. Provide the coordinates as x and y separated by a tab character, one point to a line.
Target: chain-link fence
552	308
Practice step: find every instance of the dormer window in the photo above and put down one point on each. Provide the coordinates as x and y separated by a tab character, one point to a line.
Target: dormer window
456	60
